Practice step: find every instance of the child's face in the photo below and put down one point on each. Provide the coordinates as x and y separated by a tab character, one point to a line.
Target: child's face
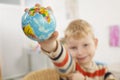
82	49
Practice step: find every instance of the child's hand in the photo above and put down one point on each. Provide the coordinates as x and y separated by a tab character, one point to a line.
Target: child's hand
50	44
76	76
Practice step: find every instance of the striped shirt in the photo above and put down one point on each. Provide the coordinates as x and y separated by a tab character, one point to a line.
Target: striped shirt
65	64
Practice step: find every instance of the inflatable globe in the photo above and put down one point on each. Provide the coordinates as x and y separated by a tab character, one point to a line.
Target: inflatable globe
38	23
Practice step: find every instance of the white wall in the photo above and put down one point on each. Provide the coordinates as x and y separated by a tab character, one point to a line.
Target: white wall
12	41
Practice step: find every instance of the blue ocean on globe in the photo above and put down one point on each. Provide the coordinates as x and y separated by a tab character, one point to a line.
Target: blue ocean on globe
36	27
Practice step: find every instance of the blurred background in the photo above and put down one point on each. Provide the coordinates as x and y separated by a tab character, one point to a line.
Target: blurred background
20	55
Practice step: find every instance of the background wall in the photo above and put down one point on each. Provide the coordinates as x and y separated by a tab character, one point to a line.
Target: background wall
101	14
12	41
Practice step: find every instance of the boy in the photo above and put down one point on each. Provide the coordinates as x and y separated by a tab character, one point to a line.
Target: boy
75	59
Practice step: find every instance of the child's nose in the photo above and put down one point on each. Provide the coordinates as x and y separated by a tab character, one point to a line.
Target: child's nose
79	52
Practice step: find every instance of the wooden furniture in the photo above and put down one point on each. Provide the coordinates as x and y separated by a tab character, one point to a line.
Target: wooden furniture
44	74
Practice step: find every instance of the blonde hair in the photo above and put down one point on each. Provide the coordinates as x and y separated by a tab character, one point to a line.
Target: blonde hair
78	29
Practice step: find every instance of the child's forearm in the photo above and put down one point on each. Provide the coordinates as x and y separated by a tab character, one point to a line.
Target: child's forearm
62	59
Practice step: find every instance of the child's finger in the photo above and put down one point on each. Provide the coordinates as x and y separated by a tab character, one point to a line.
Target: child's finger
26	10
37	5
49	8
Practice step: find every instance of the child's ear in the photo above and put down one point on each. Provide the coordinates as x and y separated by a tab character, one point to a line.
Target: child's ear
96	42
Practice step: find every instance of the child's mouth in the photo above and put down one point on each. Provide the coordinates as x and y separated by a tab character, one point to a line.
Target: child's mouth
82	58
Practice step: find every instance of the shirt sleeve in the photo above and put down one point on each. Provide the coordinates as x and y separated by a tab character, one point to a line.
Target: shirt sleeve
109	76
62	60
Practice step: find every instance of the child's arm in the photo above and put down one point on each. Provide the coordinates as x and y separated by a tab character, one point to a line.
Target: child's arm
58	54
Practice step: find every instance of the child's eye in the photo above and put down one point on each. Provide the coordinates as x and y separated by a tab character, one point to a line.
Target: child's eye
85	45
73	47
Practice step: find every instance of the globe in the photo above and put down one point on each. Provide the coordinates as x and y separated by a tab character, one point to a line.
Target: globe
38	23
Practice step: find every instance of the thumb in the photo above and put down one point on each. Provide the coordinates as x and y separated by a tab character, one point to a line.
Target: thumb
54	35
